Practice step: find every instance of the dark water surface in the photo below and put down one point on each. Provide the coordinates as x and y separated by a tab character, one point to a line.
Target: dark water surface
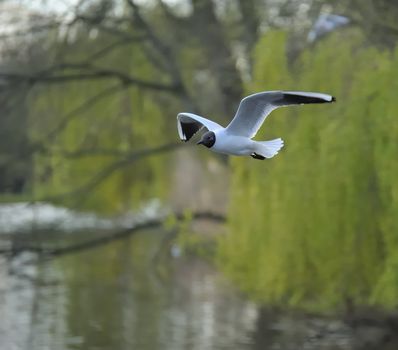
131	294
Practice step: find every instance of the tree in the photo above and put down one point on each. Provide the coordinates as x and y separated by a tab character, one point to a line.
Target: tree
93	79
115	52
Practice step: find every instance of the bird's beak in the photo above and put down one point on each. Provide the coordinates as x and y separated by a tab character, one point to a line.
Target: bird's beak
200	142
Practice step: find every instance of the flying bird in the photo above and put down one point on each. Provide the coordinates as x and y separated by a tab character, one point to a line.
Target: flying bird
236	138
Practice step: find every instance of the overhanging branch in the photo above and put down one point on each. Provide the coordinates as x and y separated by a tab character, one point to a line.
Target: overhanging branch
52	252
93	75
111	168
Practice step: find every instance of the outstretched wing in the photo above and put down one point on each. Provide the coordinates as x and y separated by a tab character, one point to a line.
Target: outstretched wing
255	108
188	124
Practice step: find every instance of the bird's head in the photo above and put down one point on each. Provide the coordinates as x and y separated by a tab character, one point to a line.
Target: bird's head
208	139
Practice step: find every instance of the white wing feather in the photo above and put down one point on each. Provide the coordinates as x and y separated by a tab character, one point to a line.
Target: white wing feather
255	108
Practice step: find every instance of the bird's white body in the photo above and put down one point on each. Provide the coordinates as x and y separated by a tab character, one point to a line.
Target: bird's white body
236	145
231	144
236	138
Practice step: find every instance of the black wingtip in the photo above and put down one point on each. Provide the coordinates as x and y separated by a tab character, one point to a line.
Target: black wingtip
291	98
189	129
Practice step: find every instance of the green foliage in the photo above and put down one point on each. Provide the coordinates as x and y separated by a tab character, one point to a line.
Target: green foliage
116	124
317	225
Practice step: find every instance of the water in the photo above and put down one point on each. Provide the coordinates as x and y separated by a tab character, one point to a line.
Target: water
132	294
27	217
125	295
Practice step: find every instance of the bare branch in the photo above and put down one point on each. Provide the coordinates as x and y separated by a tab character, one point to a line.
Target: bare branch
64	66
113	30
210	32
100	152
52	252
176	20
107	49
89	152
167	61
41	145
82	108
159	45
110	169
94	75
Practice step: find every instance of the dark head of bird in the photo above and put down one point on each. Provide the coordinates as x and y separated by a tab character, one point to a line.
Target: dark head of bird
208	139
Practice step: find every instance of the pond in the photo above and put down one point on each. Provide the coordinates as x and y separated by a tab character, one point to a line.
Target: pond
120	296
138	293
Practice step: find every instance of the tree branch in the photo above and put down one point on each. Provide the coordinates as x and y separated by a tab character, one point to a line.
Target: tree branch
176	20
95	75
108	29
80	153
159	45
40	146
210	32
110	169
51	252
105	50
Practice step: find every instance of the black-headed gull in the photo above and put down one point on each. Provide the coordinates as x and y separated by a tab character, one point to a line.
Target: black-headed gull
236	138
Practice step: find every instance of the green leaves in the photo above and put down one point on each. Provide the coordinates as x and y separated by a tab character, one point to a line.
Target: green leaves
320	221
94	135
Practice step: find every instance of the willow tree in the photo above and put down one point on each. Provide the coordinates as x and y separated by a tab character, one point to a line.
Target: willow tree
106	91
322	228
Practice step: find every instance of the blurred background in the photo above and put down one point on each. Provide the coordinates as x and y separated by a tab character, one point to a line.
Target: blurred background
115	235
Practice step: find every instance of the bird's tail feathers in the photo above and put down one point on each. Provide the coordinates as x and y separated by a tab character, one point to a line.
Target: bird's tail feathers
268	149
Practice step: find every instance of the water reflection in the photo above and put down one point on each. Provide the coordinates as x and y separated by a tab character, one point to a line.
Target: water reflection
116	297
123	296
